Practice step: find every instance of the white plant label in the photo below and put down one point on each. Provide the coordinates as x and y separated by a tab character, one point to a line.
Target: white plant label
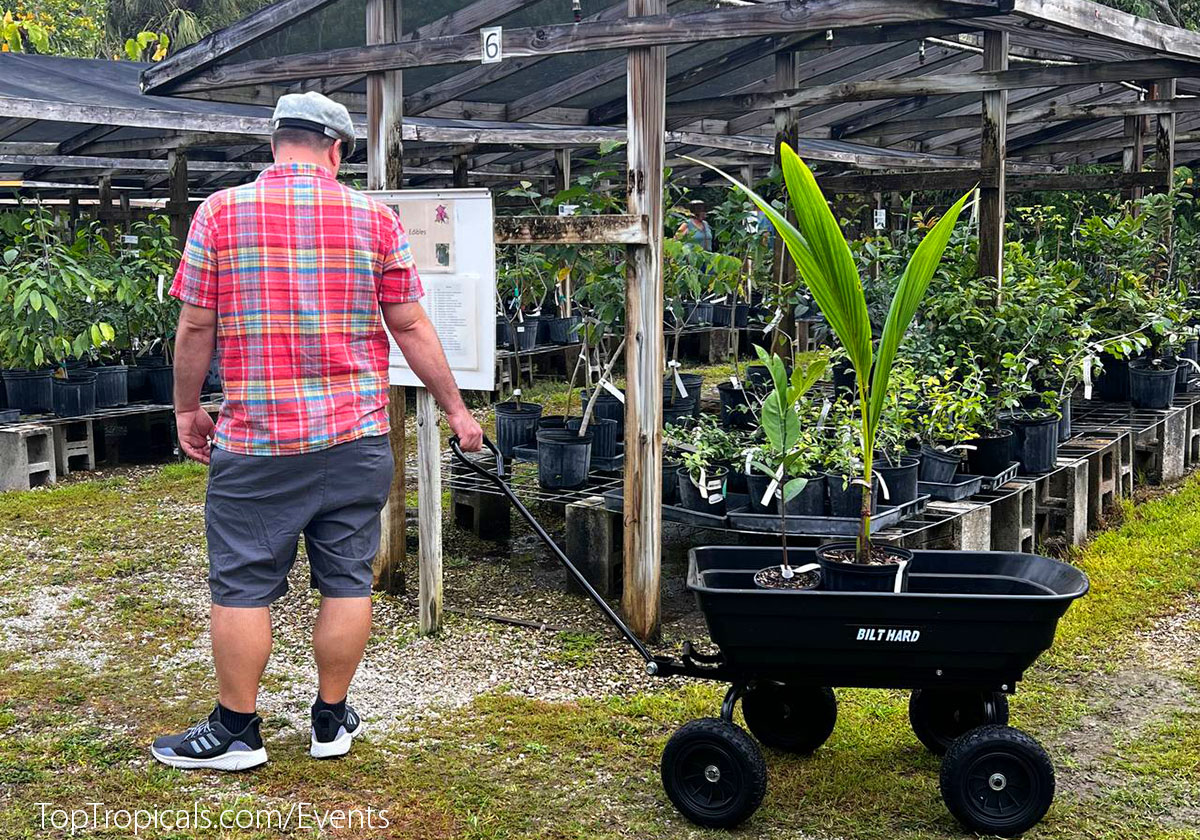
880	218
160	288
774	321
900	567
1087	377
129	239
567	209
733	380
749	458
771	487
612	389
678	379
703	485
825	406
887	496
491	44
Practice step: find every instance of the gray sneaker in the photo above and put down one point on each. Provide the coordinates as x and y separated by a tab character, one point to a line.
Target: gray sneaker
331	735
209	745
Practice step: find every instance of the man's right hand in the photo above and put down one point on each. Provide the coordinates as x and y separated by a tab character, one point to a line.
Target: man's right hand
470	435
195	428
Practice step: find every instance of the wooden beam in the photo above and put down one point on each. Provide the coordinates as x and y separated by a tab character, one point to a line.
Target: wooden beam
146	164
992	151
787	75
572	230
1164	136
1105	23
177	201
965	180
27	148
944	85
787	17
562	169
385	116
645	120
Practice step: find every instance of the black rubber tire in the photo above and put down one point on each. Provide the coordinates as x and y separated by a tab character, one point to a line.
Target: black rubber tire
693	752
793	718
940	716
1025	771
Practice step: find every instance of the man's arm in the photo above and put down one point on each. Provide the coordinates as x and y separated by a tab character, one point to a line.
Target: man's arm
418	341
195	340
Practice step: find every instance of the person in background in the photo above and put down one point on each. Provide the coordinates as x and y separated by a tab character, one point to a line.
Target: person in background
695	229
296	280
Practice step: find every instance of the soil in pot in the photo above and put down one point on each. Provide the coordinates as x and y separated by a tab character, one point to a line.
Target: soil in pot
554	421
74	395
737	407
563	458
603	432
885	564
112	386
29	391
1112	385
712	500
938	465
845	497
901	479
1036	443
1152	383
993	453
516	425
160	380
772	578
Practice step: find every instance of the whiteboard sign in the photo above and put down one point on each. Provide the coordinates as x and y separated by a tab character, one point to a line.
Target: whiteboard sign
450	233
491	44
880	219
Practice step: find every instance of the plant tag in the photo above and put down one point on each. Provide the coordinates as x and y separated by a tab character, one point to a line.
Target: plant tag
772	486
520	317
734	381
703	485
716	492
774	321
721	299
1087	377
825	406
899	584
160	288
749	458
520	329
678	379
887	496
129	239
786	572
1195	365
612	389
807	567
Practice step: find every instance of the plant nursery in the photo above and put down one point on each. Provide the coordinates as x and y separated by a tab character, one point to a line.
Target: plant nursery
838	463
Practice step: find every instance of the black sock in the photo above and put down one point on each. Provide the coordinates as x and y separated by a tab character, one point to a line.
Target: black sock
338	708
235	722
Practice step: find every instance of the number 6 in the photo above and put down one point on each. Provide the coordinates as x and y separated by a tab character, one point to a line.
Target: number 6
491	44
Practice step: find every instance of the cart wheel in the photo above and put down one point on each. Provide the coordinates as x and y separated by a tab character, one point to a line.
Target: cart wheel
714	773
939	716
997	780
794	718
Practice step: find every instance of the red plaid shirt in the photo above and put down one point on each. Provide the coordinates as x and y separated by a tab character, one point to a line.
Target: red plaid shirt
296	266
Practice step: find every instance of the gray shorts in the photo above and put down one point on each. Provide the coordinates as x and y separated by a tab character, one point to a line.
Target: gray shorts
258	506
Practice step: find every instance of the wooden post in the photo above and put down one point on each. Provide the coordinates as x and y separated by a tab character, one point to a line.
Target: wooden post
562	169
385	98
991	160
104	201
126	215
177	195
1133	155
786	131
645	122
1164	138
460	170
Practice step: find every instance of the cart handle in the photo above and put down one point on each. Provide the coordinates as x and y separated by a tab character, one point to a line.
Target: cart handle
497	479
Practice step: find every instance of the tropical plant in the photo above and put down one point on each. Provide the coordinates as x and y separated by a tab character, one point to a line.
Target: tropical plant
826	266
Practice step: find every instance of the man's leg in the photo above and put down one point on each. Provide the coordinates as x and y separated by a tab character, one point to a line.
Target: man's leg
241	642
339	637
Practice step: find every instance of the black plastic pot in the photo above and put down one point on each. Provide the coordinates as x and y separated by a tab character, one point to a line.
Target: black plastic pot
741	316
757	483
697	314
838	576
28	391
693	383
1183	372
689	491
808	502
679	413
75	395
10	415
992	455
112	386
670	482
136	383
503	334
516	425
161	382
1064	420
563	458
1191	349
1036	443
844	379
937	465
737	408
759	377
564	330
1112	385
722	314
608	407
554	421
603	432
526	334
1151	387
845	497
901	480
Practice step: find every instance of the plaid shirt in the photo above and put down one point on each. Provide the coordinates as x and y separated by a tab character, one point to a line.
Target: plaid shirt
296	266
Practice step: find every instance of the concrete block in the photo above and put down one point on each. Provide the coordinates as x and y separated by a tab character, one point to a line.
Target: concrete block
595	538
1013	517
1062	504
26	456
1160	449
1104	475
962	526
74	446
477	508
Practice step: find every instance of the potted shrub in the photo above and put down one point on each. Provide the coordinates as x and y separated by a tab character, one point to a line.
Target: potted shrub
897	466
701	477
824	262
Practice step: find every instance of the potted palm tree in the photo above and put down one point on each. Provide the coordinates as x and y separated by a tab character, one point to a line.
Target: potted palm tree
827	267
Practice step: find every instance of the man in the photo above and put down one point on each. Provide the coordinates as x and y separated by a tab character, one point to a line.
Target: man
288	276
695	229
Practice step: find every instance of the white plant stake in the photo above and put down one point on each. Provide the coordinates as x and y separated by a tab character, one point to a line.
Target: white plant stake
772	486
887	496
899	584
674	366
1087	377
613	389
703	484
774	321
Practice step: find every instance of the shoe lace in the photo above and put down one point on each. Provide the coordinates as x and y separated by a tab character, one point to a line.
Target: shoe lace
201	728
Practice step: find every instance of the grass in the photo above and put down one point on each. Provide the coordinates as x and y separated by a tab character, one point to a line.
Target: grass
510	766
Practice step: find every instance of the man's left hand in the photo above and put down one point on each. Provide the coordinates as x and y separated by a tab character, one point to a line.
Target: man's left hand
470	435
195	428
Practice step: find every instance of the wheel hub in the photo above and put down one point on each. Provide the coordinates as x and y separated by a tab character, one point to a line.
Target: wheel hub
712	773
997	782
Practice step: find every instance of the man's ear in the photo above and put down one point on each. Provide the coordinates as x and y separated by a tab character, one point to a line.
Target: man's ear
335	153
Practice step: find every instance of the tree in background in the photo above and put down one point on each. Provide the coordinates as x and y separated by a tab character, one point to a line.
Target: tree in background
1175	12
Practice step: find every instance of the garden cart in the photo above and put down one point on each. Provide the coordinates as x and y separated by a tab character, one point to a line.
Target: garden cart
960	638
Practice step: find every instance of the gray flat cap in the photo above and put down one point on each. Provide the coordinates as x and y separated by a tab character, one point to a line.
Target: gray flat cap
315	112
